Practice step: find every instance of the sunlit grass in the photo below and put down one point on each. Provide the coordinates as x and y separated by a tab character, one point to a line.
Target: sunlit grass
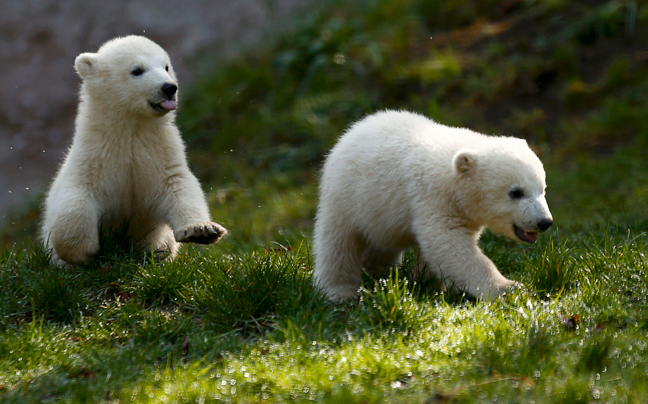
240	321
266	213
249	327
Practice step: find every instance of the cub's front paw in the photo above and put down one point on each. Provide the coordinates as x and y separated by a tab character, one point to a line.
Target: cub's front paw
508	287
495	290
339	294
201	233
516	286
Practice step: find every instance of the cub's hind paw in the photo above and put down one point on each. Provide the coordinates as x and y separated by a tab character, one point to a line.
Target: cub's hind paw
200	233
66	252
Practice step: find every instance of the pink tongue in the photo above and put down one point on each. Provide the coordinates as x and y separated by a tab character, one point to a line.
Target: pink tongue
169	105
531	235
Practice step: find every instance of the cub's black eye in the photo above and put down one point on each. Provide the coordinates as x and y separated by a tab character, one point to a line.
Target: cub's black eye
516	193
166	68
138	71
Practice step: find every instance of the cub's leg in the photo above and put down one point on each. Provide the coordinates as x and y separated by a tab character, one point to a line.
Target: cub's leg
378	261
156	237
184	207
458	262
338	258
71	227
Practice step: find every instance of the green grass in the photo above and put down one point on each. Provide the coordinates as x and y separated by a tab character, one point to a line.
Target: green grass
240	321
248	326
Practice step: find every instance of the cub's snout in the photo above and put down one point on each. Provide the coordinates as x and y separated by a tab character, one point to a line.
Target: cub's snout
544	224
169	89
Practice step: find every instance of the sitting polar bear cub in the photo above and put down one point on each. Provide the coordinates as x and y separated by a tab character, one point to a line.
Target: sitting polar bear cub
398	179
127	164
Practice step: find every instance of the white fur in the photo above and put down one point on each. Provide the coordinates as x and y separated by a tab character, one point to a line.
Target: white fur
127	163
397	179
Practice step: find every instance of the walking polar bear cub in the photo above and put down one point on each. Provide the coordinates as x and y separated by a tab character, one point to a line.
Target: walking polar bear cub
127	165
398	179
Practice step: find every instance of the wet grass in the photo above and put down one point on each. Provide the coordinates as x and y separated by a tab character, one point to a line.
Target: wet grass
247	326
240	321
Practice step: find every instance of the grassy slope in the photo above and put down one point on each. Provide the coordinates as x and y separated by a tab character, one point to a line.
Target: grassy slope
240	321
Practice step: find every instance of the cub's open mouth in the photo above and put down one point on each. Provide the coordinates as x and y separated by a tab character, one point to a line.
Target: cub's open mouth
163	106
525	236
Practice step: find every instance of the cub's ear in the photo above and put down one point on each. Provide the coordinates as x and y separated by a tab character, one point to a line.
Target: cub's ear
86	64
465	161
523	141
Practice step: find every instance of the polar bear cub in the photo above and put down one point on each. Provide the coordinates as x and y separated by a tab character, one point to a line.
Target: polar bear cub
397	179
127	164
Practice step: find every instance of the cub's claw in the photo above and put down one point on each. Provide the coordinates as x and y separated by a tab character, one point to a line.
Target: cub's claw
200	233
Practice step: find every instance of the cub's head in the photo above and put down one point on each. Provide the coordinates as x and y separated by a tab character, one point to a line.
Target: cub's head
132	74
505	188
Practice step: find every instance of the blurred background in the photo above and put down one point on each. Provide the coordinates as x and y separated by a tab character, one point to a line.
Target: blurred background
268	86
40	39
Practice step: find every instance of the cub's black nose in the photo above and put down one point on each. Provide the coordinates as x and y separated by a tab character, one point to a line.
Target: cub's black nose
544	224
169	89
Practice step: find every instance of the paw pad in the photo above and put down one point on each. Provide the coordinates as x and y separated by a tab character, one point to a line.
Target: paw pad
200	233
